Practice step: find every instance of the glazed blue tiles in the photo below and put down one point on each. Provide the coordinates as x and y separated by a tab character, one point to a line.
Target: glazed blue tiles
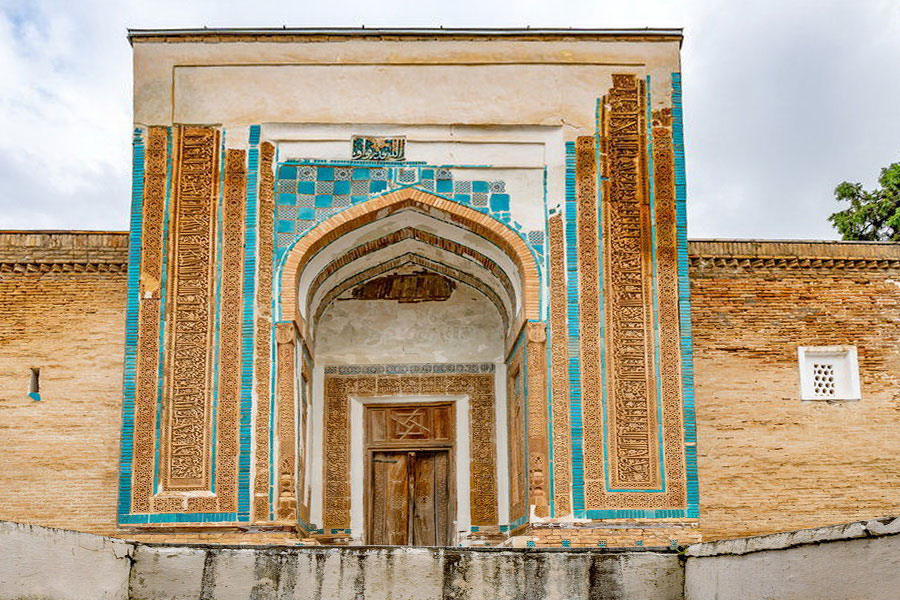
308	192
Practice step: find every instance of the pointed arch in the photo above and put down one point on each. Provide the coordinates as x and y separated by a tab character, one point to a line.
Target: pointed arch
356	216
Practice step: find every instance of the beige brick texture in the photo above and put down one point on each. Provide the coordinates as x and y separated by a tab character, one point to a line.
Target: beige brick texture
62	310
769	461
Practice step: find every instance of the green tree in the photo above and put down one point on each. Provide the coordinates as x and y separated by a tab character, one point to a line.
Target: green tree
873	215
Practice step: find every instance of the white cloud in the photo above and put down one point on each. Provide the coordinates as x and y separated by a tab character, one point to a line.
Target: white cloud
783	99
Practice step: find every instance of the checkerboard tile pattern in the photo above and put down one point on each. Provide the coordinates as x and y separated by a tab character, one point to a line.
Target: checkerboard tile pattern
308	192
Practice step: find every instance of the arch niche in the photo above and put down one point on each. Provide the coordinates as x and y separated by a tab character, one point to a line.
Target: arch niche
479	265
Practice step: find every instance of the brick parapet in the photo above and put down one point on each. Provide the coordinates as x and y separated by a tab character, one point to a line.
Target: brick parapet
63	247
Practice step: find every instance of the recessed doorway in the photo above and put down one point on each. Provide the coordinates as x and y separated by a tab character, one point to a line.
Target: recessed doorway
410	474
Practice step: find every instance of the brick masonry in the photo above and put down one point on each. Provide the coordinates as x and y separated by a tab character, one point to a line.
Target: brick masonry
768	461
62	310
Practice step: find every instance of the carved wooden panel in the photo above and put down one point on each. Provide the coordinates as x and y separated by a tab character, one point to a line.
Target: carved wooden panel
147	382
421	423
190	312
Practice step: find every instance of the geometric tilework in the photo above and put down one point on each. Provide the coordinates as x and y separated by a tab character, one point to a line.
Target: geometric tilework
308	192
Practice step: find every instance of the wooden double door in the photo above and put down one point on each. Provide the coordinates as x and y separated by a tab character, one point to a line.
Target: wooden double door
410	496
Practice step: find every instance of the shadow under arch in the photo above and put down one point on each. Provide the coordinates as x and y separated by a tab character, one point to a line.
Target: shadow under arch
356	216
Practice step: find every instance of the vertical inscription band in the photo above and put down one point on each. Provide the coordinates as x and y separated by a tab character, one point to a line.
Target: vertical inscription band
536	353
287	436
190	314
667	285
631	408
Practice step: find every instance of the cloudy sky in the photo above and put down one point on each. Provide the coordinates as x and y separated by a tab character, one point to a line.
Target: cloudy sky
783	98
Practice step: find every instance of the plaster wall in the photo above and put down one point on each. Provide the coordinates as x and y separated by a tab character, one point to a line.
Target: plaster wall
858	561
42	563
549	81
173	573
464	328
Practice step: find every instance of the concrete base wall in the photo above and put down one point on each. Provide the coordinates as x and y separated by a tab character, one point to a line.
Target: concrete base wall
858	561
175	573
38	563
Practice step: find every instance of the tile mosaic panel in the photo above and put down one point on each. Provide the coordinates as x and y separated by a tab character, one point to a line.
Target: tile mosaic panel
308	192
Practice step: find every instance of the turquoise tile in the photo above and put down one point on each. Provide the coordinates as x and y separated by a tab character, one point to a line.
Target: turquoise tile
287	199
285	226
306	187
463	198
323	201
479	186
499	202
306	213
445	186
287	172
360	173
342	187
325	173
357	199
377	186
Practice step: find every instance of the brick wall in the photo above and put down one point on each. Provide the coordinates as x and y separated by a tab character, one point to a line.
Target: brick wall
769	461
62	309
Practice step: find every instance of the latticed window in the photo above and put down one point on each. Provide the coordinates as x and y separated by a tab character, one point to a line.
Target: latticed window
828	373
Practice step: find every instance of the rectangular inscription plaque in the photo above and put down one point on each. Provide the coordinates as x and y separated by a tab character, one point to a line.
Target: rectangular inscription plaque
367	147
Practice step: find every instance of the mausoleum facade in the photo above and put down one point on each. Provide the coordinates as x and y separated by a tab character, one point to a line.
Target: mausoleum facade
417	287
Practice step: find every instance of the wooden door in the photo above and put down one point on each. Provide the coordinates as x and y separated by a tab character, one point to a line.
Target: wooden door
410	498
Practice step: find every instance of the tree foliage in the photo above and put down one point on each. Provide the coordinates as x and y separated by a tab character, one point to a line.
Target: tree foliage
872	215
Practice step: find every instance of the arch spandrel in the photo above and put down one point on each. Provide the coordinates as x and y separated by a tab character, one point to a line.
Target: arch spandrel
482	224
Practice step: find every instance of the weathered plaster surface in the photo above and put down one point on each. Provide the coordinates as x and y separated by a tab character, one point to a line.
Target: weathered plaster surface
857	560
401	574
40	562
192	82
465	328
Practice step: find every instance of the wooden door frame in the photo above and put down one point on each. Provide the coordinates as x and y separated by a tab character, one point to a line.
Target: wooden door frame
370	448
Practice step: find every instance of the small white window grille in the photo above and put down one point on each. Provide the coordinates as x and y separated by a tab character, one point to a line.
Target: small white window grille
829	373
823	380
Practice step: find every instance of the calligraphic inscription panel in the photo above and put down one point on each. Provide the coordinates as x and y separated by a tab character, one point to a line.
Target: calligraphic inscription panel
632	424
366	147
538	444
191	313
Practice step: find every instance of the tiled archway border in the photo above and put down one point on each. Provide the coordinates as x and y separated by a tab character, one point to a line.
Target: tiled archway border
481	224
